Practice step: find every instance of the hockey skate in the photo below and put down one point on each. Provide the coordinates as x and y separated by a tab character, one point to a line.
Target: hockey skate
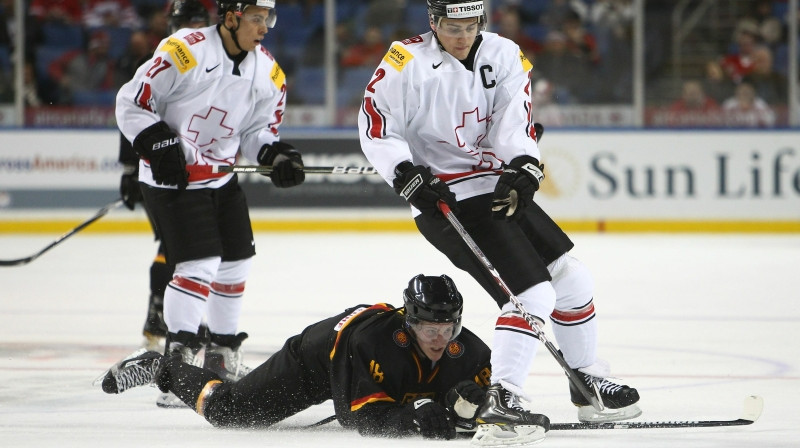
188	350
224	357
137	369
503	422
618	400
155	330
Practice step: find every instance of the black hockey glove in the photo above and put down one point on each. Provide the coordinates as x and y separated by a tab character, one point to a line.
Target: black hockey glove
129	186
516	186
286	162
417	185
464	400
432	420
162	148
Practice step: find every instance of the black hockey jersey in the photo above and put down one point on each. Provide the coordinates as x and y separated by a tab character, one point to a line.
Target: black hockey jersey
376	371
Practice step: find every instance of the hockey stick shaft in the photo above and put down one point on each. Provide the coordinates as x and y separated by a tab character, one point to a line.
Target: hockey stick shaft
264	169
535	326
102	212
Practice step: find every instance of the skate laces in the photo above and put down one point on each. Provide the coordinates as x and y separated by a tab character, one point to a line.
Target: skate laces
604	385
134	374
512	401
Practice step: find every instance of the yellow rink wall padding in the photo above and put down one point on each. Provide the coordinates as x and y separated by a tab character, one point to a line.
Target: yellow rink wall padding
407	225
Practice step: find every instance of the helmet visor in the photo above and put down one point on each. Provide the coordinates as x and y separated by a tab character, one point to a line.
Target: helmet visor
459	28
259	17
429	332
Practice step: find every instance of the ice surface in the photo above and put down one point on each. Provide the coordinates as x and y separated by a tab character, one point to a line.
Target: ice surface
695	322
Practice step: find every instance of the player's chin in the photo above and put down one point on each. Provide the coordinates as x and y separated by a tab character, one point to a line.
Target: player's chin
435	353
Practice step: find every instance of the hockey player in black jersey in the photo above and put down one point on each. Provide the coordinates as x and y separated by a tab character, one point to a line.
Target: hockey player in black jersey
390	371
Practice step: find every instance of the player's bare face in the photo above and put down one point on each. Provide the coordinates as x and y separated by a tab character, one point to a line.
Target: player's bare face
457	35
433	338
254	24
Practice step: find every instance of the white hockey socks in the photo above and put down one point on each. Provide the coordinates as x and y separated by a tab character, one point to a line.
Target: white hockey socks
225	297
515	344
574	323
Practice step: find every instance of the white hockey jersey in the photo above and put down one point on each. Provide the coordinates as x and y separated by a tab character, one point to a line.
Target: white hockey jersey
215	105
423	105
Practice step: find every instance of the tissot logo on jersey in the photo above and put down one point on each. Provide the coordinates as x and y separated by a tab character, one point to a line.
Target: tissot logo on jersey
464	10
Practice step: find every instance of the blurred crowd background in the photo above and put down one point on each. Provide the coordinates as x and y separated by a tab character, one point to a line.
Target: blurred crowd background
705	63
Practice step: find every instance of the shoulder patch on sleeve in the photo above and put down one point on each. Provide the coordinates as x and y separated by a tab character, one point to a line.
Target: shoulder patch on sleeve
180	54
526	64
277	76
398	57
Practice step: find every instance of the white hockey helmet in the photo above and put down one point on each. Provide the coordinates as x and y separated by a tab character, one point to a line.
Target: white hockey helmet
238	7
457	9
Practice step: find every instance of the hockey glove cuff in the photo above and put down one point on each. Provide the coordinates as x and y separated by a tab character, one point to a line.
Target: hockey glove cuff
162	148
515	187
286	162
129	186
431	419
417	185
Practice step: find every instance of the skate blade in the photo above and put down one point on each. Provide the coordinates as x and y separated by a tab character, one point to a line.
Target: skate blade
170	401
588	414
507	435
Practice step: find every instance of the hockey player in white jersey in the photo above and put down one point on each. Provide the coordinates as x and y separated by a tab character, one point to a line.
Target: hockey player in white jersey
207	96
447	117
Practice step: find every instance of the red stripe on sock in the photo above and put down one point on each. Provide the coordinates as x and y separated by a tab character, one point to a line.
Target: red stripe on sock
237	288
573	315
513	321
191	286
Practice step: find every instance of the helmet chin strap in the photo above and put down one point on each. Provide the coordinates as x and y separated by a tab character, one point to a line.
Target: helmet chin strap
232	31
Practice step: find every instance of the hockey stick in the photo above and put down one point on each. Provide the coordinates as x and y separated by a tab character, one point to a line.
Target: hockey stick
264	169
102	212
580	385
753	405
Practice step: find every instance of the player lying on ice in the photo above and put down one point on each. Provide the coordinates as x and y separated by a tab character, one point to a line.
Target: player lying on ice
362	359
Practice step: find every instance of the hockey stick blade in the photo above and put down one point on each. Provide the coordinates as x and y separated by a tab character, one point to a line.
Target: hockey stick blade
579	385
753	405
102	212
264	169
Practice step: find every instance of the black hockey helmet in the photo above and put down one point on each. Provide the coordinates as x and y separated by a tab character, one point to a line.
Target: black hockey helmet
238	7
433	299
457	9
183	13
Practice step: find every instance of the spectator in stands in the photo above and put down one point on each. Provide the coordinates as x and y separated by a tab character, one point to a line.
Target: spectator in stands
569	72
769	85
716	84
81	71
545	109
64	11
694	99
739	62
111	13
745	109
579	40
157	27
366	52
509	25
137	51
693	108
